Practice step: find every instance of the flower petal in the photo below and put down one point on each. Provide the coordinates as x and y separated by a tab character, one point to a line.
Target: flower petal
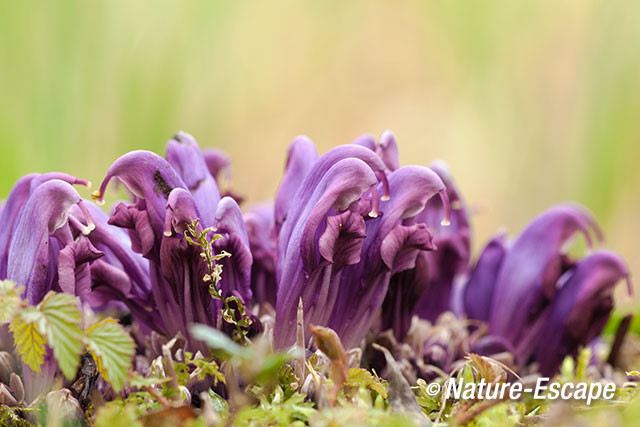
531	268
368	281
74	275
579	311
184	155
451	249
405	290
236	276
312	182
217	161
259	223
301	156
388	150
340	184
45	211
478	291
181	210
135	219
400	247
16	200
149	177
341	241
116	246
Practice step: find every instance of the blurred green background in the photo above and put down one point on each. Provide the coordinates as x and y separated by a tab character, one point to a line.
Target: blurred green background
530	103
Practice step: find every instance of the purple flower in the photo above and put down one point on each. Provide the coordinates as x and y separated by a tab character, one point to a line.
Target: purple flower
393	243
450	261
426	287
538	300
48	248
260	226
344	229
169	194
301	156
11	211
120	276
59	242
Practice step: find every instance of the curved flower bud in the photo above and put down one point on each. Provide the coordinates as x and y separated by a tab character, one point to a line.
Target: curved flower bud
45	212
330	187
181	210
236	277
149	177
532	266
386	148
301	156
478	291
184	155
16	200
366	141
259	223
578	313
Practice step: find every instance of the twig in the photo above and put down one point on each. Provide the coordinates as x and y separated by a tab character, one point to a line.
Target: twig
157	395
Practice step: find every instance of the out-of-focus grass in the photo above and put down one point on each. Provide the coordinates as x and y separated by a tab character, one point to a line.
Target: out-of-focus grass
530	103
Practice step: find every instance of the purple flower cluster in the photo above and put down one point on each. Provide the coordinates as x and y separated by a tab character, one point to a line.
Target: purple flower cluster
540	303
364	243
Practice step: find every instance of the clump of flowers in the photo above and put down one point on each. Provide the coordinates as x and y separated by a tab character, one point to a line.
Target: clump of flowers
272	314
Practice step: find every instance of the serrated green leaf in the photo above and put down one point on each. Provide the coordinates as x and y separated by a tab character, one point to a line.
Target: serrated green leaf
359	377
208	368
113	349
9	299
62	319
28	338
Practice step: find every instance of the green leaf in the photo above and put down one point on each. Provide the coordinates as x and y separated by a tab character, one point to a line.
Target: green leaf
583	359
359	377
219	404
114	416
271	367
208	369
113	348
62	319
10	300
136	380
218	341
568	368
28	338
